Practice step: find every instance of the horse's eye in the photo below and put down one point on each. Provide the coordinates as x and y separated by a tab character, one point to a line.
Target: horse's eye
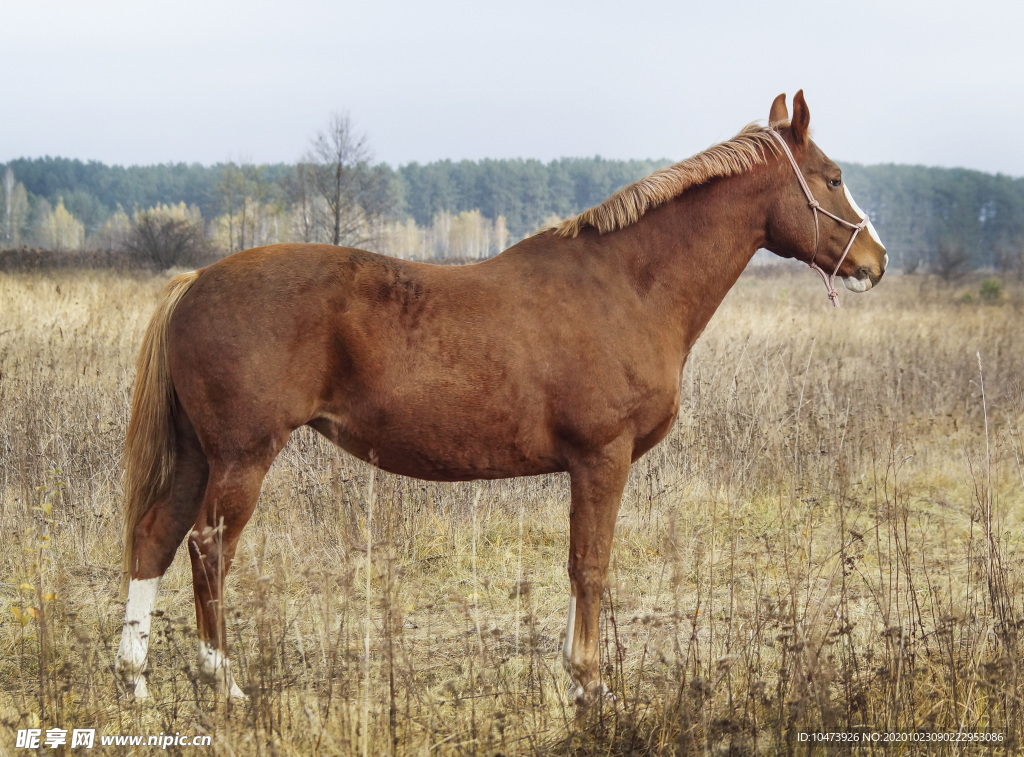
835	182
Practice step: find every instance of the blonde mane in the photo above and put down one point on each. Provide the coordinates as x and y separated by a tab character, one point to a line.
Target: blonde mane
628	205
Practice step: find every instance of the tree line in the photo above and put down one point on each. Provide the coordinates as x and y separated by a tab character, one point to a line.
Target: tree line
930	217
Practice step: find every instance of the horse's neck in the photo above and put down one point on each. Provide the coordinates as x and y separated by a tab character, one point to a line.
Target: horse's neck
694	248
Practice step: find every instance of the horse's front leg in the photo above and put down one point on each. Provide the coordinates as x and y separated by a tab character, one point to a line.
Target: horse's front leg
597	484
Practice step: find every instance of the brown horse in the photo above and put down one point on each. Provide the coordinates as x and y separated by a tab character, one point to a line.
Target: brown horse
563	353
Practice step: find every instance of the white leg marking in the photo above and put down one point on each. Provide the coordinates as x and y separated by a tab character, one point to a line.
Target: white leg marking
215	669
570	630
576	690
862	214
131	654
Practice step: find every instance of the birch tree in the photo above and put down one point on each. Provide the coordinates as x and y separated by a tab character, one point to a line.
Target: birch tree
16	210
61	231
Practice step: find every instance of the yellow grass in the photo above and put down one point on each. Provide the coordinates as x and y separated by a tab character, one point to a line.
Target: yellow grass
828	541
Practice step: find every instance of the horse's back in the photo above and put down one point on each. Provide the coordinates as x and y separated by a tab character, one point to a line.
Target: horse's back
382	355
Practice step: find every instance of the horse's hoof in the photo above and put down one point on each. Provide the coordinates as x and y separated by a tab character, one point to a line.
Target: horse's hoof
136	690
130	679
593	693
141	693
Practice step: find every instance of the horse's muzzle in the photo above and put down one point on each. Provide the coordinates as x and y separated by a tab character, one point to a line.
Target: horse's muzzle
865	277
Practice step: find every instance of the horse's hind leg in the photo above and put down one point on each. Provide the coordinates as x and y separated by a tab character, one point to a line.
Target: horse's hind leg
231	496
154	542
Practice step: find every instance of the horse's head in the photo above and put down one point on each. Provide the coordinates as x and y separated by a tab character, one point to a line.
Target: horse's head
814	218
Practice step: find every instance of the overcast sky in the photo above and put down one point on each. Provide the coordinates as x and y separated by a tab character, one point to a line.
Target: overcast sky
140	82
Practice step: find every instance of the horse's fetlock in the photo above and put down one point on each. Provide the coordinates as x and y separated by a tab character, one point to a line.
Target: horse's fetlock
215	669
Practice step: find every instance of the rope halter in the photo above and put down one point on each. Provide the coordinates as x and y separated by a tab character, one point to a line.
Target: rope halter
816	208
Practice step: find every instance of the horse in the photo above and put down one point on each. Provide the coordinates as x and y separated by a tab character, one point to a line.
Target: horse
564	353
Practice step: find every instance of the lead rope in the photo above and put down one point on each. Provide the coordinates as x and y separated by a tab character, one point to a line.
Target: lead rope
830	281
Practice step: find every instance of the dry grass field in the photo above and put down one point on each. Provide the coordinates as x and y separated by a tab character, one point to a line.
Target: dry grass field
830	540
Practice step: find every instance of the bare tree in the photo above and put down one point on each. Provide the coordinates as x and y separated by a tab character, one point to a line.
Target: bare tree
162	241
1009	258
299	187
353	193
912	262
951	261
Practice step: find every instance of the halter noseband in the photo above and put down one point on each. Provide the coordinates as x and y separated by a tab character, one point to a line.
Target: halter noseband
816	208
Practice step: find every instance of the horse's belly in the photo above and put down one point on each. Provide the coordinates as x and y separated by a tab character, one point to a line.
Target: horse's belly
445	449
433	467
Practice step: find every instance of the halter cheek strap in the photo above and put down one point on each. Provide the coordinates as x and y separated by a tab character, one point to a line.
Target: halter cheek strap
816	208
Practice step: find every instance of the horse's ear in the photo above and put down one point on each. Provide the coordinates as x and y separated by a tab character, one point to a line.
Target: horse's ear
778	113
801	118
